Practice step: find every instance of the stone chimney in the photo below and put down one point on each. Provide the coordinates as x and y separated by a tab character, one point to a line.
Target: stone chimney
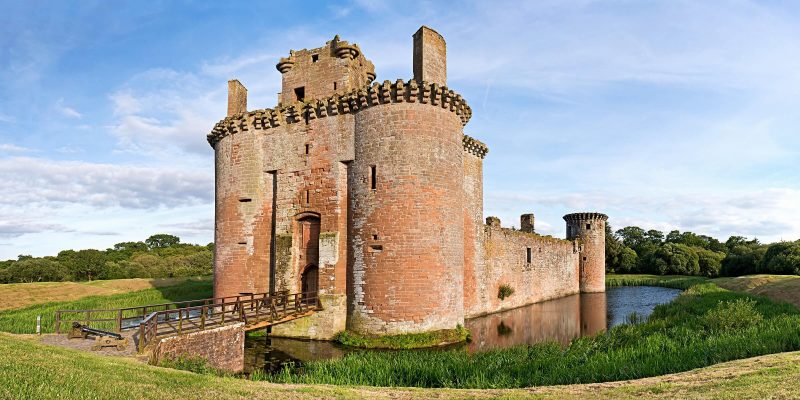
430	57
526	223
237	98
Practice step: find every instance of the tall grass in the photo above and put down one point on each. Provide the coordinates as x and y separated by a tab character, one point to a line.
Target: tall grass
678	336
669	281
23	320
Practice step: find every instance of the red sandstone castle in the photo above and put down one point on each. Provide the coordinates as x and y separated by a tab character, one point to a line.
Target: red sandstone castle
370	194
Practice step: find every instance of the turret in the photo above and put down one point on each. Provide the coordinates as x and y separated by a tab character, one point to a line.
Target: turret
590	229
430	57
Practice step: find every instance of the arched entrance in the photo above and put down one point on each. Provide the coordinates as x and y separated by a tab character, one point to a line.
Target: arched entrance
308	227
309	280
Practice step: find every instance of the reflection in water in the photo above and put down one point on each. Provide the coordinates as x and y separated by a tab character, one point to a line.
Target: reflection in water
559	320
564	319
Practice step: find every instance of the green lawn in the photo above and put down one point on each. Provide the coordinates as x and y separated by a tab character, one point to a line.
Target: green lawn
30	370
23	320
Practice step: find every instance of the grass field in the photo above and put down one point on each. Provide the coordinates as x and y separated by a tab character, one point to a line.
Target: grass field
30	370
18	295
23	320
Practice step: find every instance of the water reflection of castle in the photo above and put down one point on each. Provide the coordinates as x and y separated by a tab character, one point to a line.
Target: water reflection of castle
559	320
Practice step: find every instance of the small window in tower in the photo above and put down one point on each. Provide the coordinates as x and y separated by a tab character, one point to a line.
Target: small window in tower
314	57
373	178
374	237
530	256
584	258
334	85
308	147
308	196
245	200
588	226
300	93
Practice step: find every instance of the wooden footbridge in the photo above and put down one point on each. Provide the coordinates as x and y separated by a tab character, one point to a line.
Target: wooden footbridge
148	323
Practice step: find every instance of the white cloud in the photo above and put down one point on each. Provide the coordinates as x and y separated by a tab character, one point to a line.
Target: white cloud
16	228
45	182
12	148
6	118
66	110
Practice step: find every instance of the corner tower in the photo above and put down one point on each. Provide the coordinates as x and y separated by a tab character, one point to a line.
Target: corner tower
590	229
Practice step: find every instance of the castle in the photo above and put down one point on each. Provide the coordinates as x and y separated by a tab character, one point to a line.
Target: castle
370	194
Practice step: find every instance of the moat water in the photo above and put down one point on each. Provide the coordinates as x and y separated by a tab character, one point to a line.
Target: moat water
560	320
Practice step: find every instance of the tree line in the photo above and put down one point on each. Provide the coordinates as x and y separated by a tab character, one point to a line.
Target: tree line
634	250
159	256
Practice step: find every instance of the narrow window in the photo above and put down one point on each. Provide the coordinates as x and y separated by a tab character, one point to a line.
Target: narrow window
308	196
584	258
300	93
374	237
245	200
529	255
373	177
314	57
334	85
308	147
588	226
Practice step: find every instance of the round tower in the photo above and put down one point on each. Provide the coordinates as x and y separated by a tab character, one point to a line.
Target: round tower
408	233
590	229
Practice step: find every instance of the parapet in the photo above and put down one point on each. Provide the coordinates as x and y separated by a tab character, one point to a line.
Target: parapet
585	216
493	222
474	146
350	102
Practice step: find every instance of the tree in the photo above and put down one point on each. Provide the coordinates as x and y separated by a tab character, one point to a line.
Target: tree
161	241
710	262
38	270
781	258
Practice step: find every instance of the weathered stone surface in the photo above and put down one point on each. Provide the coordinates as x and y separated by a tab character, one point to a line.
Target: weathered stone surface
393	191
222	347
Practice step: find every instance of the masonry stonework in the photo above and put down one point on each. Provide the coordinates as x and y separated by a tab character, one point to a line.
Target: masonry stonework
222	348
370	194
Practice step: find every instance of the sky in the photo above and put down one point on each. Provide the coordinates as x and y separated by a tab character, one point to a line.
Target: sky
662	114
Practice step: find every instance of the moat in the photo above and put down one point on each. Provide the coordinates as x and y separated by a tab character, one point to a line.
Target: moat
560	320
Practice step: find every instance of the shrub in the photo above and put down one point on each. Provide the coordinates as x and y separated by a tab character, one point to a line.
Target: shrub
735	314
504	291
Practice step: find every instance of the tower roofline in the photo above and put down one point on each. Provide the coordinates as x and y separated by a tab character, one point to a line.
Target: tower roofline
584	216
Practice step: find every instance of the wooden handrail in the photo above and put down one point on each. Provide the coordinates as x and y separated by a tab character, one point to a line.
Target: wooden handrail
209	313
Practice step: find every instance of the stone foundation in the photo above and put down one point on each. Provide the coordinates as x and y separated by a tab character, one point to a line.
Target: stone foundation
222	347
322	325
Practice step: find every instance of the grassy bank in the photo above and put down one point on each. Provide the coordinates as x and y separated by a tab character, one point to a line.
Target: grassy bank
18	295
29	370
23	320
407	341
704	326
670	281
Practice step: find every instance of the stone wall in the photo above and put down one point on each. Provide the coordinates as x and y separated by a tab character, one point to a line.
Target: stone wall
407	226
322	325
551	273
590	229
222	347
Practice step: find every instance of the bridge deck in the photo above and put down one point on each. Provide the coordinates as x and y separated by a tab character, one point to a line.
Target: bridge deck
153	322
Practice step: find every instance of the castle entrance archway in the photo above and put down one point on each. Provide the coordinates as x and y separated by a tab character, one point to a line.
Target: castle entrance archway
308	232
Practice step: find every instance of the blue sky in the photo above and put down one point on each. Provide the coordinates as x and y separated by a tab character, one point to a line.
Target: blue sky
663	114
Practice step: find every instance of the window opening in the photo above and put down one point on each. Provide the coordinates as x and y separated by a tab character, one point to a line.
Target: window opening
529	255
300	93
373	178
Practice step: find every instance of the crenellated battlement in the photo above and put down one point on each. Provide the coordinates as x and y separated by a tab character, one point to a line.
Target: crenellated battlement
585	216
474	146
350	102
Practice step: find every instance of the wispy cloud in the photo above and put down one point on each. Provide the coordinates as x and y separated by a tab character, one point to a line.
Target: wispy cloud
12	148
66	110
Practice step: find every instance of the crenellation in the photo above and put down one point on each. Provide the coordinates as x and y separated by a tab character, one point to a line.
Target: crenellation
356	194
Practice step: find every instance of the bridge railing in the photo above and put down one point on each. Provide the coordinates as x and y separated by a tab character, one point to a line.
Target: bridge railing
122	319
248	309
